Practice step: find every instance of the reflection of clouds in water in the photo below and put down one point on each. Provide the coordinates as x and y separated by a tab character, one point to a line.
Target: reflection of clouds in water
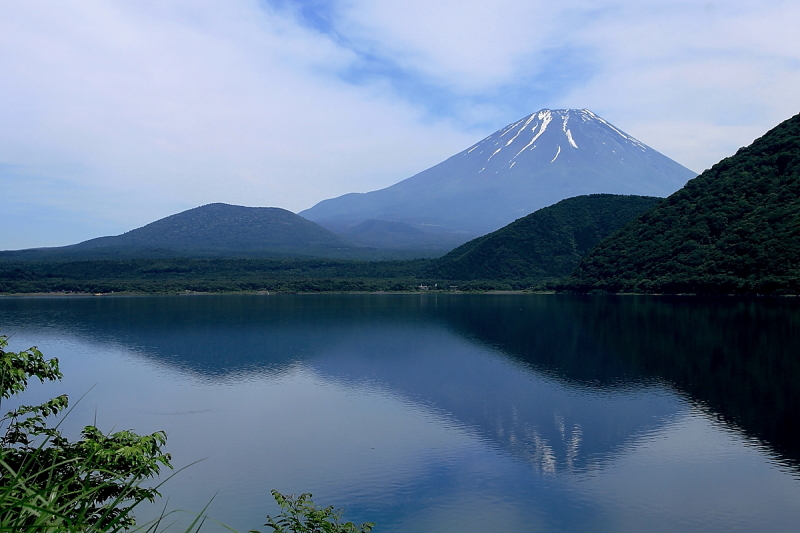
180	413
400	350
397	409
690	476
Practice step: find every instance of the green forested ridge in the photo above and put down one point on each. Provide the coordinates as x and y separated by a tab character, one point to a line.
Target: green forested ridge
216	230
548	243
545	244
179	274
224	227
733	229
207	275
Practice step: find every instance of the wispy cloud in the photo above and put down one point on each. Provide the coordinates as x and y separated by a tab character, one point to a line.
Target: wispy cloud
137	110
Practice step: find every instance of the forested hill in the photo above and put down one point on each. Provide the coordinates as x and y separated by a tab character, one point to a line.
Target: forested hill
733	229
223	226
547	243
213	229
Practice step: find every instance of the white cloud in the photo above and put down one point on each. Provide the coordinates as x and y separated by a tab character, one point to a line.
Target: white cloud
138	110
724	70
465	45
163	109
696	80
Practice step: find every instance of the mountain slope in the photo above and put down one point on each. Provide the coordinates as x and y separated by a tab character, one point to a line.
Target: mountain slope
547	243
735	228
225	227
213	229
535	162
386	235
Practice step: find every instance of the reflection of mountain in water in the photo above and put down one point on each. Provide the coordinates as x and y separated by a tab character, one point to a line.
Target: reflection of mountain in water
552	426
737	357
578	377
400	344
741	358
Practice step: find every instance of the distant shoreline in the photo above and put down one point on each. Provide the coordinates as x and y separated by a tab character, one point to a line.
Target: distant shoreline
371	293
252	293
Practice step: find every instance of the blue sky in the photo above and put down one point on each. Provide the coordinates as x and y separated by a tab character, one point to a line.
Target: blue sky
117	113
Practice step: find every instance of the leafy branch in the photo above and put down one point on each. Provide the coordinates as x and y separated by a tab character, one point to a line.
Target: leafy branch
300	515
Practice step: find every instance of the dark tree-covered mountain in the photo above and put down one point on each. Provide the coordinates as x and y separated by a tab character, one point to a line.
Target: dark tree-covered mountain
733	229
547	243
535	162
223	226
213	229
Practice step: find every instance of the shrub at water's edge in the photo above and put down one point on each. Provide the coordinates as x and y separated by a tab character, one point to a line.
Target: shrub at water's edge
49	483
300	515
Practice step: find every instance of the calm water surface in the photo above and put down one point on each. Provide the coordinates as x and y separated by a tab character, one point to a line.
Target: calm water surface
450	414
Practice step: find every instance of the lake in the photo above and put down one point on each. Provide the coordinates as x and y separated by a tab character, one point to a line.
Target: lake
447	413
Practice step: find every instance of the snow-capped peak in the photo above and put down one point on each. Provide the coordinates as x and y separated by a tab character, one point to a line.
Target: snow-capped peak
532	133
533	162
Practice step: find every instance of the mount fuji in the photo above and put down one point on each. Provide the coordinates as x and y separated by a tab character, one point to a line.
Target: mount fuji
535	162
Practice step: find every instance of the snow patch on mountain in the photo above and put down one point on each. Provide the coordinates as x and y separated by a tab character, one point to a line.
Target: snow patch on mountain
546	117
569	138
521	129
